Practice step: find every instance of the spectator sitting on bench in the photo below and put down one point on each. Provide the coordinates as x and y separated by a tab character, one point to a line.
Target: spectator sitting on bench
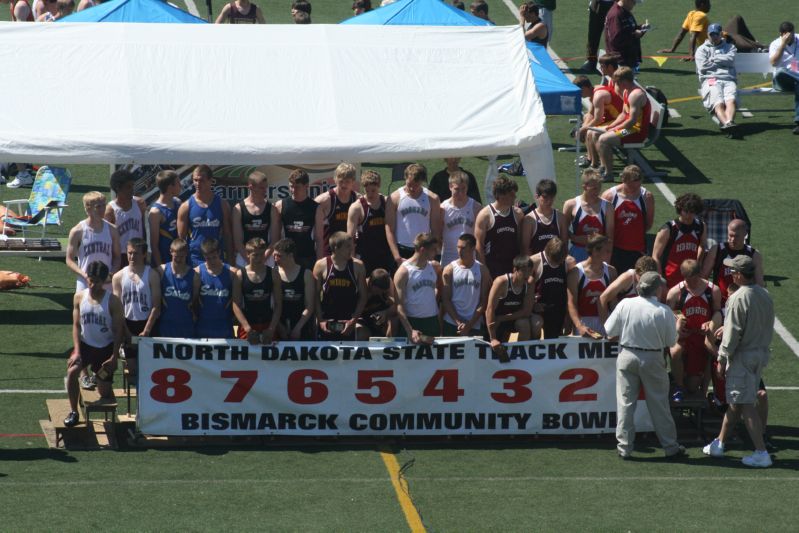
631	126
715	65
782	53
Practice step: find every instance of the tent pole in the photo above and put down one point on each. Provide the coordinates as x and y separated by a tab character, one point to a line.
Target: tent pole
210	9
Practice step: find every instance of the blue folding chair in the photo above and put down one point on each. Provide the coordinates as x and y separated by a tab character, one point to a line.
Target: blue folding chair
45	203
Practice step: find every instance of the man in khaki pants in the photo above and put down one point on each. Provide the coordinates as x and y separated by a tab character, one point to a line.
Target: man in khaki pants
645	328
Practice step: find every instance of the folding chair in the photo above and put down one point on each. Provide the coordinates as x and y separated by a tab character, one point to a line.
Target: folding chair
45	203
718	213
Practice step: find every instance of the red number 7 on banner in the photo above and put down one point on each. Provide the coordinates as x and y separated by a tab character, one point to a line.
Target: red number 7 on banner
245	379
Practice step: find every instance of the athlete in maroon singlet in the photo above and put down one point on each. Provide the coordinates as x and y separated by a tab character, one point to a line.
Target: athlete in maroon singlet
335	203
550	269
341	286
366	223
510	305
497	228
544	222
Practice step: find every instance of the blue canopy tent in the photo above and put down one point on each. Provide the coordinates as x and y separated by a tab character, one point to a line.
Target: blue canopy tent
134	11
418	13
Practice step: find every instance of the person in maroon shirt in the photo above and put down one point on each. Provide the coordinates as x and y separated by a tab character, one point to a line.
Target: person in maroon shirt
498	228
623	34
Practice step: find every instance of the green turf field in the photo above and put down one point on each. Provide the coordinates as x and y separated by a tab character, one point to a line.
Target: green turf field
456	485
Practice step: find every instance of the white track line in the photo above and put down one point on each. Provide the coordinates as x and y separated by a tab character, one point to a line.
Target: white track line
32	391
673	113
784	334
191	7
294	481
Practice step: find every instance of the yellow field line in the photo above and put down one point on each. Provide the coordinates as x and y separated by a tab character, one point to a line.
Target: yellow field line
401	489
689	98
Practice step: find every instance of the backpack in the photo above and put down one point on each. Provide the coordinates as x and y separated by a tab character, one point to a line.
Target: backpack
660	98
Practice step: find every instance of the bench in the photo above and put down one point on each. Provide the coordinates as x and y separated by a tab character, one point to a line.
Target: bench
757	63
694	406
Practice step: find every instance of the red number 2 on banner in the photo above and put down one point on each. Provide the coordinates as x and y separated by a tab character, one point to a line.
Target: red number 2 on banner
588	378
170	379
245	379
386	391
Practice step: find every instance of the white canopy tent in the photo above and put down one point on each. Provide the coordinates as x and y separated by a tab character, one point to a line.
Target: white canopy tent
221	94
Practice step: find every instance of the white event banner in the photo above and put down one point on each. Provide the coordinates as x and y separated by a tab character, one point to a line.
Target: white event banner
454	387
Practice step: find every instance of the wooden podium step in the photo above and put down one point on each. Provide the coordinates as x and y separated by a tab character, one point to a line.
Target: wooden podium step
92	402
85	435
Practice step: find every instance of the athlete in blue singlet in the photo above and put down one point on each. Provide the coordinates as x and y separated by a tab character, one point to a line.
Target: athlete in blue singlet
205	216
177	291
215	287
162	218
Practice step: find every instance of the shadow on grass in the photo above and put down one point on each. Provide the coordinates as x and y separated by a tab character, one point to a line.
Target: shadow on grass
22	317
64	299
36	454
775	280
676	159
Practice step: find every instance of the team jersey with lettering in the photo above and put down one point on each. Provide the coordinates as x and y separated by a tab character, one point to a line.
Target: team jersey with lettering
543	232
257	298
298	222
371	244
457	221
697	308
337	218
413	216
550	291
255	225
585	224
501	242
629	230
94	246
215	317
293	298
168	228
234	16
176	319
683	244
339	291
420	291
615	106
722	274
589	290
95	321
466	291
204	223
128	222
513	300
137	298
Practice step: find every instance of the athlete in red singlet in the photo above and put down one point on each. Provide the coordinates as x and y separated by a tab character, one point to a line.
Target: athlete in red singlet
624	286
634	212
586	283
697	303
631	126
681	239
736	244
587	214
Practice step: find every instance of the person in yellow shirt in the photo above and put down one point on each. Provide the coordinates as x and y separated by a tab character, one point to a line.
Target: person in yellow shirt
695	23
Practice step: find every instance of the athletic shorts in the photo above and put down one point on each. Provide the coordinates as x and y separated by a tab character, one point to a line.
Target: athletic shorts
695	354
330	336
634	135
426	325
717	92
135	327
624	260
406	252
94	357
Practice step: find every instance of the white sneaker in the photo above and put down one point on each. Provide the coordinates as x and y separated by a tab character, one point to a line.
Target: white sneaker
757	459
23	179
714	449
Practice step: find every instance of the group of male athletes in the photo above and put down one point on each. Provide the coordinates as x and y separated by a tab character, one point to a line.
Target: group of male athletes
346	266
